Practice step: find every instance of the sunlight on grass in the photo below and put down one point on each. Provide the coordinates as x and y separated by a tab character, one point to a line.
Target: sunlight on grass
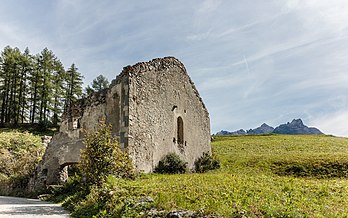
246	183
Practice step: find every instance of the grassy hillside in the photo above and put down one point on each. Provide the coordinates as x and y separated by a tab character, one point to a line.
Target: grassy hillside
20	152
273	175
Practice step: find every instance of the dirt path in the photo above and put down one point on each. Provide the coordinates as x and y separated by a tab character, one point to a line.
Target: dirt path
29	208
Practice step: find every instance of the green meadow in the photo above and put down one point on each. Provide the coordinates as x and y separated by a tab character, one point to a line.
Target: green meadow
260	176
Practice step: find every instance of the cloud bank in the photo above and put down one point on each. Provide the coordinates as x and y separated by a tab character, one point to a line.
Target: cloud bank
252	61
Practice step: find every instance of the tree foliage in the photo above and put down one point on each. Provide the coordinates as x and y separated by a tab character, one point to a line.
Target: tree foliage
34	88
103	157
73	86
99	83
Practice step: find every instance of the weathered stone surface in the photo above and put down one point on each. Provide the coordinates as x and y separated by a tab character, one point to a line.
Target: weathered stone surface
46	140
154	109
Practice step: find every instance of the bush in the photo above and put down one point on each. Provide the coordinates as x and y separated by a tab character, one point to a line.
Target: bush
206	163
171	164
103	157
19	155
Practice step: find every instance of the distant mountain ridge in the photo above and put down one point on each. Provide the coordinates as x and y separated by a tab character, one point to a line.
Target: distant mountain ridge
296	127
263	129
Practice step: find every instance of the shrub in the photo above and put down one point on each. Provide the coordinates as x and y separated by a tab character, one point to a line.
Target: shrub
206	163
19	155
103	157
171	164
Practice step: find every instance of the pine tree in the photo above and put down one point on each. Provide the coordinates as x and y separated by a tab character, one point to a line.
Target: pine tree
35	80
99	83
35	88
73	88
11	78
26	68
47	65
57	92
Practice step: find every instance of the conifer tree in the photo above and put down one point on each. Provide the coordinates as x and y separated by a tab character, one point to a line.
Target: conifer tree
73	89
99	83
35	88
35	82
11	77
57	92
47	66
26	68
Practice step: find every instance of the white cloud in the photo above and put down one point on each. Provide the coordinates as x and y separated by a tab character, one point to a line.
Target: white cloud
333	123
252	61
329	15
209	6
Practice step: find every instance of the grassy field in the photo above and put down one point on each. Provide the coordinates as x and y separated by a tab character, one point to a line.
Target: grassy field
260	176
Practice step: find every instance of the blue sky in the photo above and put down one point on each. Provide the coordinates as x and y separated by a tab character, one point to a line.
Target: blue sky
253	61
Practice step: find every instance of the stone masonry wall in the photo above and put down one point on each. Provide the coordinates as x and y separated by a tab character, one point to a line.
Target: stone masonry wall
161	92
65	147
153	107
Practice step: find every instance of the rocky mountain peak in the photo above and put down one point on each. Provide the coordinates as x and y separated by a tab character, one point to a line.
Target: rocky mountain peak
265	125
263	129
296	127
297	122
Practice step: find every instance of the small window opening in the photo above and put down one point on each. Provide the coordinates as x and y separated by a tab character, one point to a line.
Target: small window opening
75	124
180	129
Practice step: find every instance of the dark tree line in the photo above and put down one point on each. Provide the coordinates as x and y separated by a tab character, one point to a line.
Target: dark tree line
35	88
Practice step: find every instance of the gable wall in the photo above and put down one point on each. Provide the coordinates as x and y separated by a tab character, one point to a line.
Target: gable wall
143	105
160	91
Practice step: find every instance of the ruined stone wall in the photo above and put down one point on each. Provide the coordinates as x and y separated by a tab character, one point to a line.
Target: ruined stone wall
153	107
116	111
66	145
161	93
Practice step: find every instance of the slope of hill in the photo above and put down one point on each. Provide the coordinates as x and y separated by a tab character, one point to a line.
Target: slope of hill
260	176
19	155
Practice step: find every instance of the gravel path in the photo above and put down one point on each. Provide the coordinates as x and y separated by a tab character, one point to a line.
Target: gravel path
29	208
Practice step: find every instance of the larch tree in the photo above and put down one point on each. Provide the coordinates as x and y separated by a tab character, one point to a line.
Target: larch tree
99	83
73	86
35	88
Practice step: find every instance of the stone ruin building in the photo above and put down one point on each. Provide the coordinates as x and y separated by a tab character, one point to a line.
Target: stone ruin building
154	109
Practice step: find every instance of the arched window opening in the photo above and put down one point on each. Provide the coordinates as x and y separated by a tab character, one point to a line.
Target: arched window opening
180	129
